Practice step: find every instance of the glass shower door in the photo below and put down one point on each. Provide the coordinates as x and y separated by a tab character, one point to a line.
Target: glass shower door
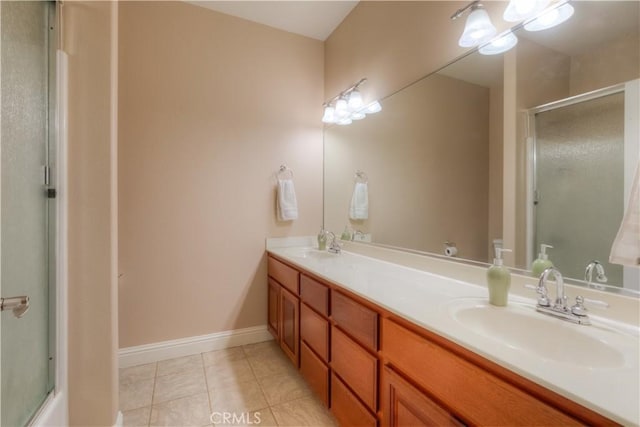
25	355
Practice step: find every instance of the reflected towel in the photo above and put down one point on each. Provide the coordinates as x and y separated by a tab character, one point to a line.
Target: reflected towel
286	200
359	208
626	246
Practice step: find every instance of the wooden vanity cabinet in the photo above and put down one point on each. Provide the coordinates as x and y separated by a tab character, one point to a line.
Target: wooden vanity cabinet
284	307
373	368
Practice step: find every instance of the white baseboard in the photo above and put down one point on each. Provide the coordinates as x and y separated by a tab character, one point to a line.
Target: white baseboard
149	353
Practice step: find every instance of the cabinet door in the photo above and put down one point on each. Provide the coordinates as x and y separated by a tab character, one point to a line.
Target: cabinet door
404	405
274	304
289	325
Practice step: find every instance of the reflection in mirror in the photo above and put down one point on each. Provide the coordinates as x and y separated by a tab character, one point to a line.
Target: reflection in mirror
518	149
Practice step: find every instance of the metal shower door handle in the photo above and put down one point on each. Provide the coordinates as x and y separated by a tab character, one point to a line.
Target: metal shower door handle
19	305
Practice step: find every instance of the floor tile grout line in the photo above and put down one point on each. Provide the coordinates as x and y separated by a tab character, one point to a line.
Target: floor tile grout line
206	384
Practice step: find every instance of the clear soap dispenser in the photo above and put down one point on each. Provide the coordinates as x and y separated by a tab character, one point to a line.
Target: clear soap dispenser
322	240
499	280
543	262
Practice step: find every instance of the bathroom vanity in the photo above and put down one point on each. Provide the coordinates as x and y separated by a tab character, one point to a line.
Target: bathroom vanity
385	344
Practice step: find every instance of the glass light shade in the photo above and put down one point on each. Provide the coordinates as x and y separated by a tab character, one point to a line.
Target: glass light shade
374	107
358	115
345	121
519	10
500	44
478	29
329	114
550	18
355	100
342	108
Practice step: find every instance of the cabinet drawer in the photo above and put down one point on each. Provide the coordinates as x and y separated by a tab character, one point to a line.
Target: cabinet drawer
357	320
285	275
346	407
315	372
315	294
473	394
356	366
314	330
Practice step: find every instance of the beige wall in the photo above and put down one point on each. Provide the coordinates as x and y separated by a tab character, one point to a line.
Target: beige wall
92	238
210	107
427	158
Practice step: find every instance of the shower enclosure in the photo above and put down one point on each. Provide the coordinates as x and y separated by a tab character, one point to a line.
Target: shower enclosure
27	208
580	162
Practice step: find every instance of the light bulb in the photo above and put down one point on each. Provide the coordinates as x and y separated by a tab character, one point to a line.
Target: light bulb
373	107
355	100
500	44
478	28
329	114
342	109
550	18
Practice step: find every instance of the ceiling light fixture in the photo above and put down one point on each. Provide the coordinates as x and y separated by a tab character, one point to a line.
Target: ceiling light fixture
499	44
551	17
478	27
348	105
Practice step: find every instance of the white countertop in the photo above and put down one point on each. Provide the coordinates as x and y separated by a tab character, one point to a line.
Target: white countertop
426	299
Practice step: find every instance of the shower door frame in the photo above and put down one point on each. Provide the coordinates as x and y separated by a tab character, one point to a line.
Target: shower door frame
54	409
631	92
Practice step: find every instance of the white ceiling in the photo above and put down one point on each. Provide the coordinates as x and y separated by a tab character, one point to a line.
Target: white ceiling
311	18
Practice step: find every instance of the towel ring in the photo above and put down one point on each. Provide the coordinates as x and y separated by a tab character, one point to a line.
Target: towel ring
362	177
284	172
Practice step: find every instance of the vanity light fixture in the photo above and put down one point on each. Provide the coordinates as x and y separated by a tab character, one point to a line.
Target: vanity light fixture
478	27
347	106
551	17
499	44
519	10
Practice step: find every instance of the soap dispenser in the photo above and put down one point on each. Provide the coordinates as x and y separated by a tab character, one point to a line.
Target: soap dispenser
542	263
498	280
346	234
322	240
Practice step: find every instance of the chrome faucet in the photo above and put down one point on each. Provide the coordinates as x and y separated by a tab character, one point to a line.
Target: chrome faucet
600	276
576	314
357	233
334	244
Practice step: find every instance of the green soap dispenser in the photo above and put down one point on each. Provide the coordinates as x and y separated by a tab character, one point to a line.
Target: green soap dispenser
542	263
499	280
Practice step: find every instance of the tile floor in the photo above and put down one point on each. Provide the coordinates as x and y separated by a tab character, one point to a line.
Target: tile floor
255	382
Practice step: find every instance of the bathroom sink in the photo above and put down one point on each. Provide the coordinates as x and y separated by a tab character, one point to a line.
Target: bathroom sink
310	253
520	327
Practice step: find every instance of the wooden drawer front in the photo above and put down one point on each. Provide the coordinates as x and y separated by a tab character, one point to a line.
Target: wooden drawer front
285	275
346	407
357	320
314	330
404	405
473	394
315	294
357	367
315	372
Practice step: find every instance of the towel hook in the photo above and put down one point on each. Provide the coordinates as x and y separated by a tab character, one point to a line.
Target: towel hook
361	177
284	169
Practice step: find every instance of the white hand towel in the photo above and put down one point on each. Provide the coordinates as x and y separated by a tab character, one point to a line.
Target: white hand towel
359	208
626	246
287	202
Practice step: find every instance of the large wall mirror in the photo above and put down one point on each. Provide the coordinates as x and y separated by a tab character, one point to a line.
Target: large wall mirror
535	146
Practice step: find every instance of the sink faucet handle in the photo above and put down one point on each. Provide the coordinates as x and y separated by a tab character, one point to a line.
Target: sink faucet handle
578	308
